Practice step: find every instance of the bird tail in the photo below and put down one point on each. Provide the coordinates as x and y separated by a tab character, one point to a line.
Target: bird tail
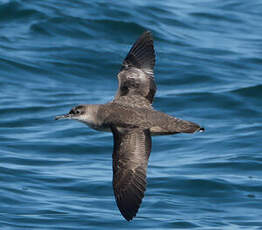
175	126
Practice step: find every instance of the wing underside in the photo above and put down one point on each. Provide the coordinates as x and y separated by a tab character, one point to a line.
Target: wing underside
130	158
136	77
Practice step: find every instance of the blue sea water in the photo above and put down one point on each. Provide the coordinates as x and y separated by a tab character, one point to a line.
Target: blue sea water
57	54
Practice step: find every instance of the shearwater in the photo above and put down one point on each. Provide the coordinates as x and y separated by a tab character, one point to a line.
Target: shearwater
132	120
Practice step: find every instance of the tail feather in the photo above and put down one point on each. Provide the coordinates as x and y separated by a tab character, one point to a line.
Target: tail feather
174	125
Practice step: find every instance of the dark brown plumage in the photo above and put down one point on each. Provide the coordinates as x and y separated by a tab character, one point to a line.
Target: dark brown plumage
136	77
132	120
130	157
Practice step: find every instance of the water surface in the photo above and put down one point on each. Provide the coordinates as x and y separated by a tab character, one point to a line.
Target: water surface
57	54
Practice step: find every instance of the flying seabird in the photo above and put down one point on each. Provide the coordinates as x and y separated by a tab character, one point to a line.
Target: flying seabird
132	120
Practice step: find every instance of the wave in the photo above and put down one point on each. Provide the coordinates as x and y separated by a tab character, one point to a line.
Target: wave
84	28
15	11
249	91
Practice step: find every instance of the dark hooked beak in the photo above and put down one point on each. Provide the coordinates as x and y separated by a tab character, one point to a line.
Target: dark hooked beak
66	116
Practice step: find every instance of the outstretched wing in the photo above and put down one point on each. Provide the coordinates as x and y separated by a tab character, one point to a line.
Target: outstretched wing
130	157
136	84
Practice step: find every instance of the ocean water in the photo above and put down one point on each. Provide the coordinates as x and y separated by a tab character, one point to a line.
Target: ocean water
57	54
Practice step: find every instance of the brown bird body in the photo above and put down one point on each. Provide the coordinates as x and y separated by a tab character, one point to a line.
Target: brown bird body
132	120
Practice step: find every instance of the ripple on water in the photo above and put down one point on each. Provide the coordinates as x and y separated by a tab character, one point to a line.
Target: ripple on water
55	55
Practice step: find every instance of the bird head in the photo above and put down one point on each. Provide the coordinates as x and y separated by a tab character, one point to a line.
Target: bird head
77	113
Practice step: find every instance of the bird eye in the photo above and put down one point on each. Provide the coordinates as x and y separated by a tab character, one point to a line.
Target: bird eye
75	111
